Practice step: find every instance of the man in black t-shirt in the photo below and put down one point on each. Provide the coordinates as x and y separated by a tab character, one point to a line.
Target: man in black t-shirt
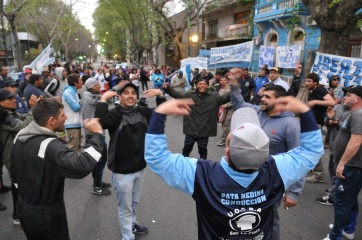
318	100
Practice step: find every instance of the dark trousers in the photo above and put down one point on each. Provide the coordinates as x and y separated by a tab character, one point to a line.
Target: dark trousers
97	173
144	85
138	92
43	223
346	202
201	143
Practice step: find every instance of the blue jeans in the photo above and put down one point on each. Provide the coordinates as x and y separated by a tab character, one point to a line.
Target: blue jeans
346	202
128	188
97	173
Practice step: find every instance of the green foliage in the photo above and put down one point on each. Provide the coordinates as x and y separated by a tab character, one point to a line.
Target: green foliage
294	18
53	21
334	3
126	27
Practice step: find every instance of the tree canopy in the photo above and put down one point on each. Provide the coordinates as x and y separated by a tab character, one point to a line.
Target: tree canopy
53	21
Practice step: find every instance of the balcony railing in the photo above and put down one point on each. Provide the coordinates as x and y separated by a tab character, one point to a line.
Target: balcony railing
267	6
265	9
235	30
287	4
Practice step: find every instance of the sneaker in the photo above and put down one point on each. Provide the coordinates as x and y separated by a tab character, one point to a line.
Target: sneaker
315	179
346	235
221	143
16	221
139	230
2	207
326	238
101	191
326	200
328	191
106	185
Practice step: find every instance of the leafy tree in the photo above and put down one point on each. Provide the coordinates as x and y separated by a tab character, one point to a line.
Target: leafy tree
173	31
53	21
11	15
125	27
337	20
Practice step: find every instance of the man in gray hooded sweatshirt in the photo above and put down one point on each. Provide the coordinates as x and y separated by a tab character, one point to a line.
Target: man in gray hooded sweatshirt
89	102
57	84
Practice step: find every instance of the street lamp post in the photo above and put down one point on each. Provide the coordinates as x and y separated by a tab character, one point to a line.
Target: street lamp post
188	28
197	23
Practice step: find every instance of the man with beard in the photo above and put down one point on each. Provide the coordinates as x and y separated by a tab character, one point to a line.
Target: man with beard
282	129
40	164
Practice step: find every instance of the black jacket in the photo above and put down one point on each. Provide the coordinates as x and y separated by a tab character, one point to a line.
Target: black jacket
40	169
127	129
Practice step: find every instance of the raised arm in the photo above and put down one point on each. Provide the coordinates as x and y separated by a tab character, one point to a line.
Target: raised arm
176	170
236	99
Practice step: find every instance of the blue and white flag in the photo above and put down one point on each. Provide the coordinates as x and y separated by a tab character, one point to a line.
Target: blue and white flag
43	59
235	53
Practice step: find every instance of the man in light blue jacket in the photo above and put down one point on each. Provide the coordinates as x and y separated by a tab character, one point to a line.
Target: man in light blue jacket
235	197
72	109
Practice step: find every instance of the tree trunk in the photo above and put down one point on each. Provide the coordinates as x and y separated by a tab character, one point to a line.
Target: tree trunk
17	46
336	20
3	32
334	42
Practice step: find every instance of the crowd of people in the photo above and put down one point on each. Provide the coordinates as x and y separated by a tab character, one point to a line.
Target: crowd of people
56	121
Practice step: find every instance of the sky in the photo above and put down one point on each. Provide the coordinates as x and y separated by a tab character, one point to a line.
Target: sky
85	9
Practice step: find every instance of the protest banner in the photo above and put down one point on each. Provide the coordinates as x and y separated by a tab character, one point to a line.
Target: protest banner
287	56
234	54
188	64
349	70
266	56
43	59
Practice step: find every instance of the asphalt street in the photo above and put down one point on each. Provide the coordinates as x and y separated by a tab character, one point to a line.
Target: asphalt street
168	213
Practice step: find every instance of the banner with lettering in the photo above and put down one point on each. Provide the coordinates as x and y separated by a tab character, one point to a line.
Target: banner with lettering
266	56
189	64
235	53
349	70
287	56
43	59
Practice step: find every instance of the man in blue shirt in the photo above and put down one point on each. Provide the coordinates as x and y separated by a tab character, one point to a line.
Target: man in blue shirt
260	80
33	88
